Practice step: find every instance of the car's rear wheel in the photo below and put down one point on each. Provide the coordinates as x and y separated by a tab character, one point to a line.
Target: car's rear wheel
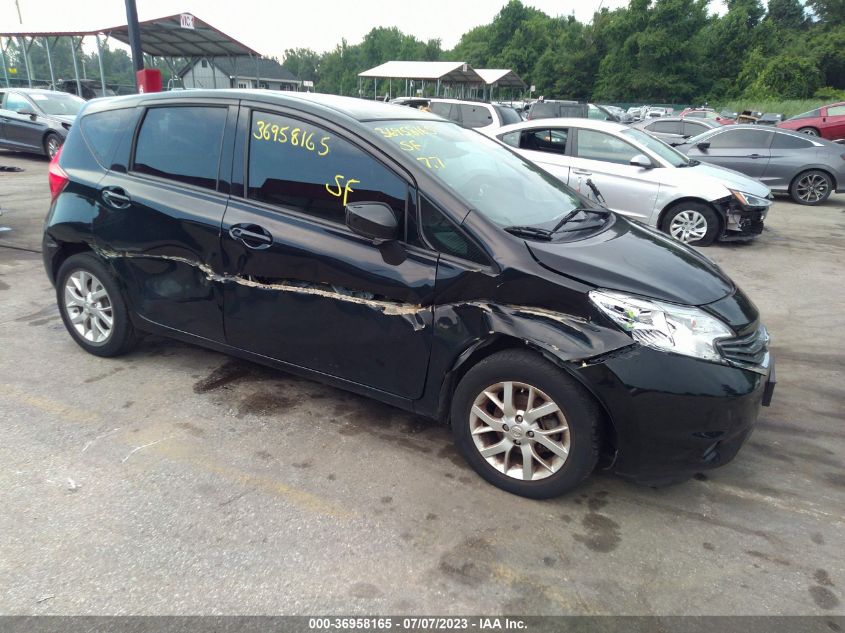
52	143
525	426
92	307
811	131
811	187
693	223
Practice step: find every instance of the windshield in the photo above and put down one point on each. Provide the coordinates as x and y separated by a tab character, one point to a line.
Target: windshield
497	183
58	103
671	156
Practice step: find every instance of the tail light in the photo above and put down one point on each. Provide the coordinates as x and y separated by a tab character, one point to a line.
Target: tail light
57	176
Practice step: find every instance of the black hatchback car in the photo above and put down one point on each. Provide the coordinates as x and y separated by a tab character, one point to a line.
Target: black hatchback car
394	254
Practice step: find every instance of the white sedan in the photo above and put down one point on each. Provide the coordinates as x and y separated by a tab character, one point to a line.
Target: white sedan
643	178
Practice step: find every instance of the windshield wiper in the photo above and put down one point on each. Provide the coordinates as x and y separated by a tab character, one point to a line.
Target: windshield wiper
691	163
534	232
568	217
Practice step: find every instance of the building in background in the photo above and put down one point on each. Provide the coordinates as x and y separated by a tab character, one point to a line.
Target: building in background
235	72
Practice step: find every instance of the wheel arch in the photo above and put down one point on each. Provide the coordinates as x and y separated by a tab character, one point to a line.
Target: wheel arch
498	342
672	204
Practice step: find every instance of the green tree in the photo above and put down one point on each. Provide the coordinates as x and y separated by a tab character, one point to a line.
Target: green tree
786	14
302	63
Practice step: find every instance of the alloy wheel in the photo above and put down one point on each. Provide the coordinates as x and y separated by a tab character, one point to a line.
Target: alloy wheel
809	131
812	188
89	307
53	145
688	226
520	430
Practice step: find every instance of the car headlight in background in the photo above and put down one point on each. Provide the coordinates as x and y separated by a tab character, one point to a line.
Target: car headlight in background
750	200
664	326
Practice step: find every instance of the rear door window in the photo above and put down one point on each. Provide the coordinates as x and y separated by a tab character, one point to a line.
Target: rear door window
181	143
303	167
693	128
508	115
475	115
787	141
441	109
545	140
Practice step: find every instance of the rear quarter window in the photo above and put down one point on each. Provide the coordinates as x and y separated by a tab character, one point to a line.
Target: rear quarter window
102	130
787	141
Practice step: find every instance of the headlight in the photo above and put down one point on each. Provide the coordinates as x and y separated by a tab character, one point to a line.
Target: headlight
665	326
750	200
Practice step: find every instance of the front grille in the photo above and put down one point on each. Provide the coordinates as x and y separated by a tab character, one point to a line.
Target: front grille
750	349
751	224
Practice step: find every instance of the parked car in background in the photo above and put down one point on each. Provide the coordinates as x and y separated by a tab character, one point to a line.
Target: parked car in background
654	112
91	89
34	120
636	112
709	114
676	130
770	118
827	122
621	115
455	280
477	115
808	169
552	109
643	178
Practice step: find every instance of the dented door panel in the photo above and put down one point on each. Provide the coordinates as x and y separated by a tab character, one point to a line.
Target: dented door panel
330	301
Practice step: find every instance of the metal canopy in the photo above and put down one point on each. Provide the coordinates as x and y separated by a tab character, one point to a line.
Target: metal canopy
182	35
501	77
450	72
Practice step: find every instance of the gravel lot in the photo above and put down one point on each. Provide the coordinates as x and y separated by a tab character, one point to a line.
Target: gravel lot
180	481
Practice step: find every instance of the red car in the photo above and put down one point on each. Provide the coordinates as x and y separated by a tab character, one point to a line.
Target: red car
827	122
707	113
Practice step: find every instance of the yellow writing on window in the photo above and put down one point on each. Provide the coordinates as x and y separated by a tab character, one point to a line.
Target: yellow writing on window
432	162
343	189
298	137
405	130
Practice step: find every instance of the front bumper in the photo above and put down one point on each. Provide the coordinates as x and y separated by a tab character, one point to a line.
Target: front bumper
673	414
741	222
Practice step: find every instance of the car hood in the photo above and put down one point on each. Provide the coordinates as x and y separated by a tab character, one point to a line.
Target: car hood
727	177
633	258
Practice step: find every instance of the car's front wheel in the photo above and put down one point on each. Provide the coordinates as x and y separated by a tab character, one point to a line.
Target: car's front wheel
525	426
92	307
811	187
693	223
811	131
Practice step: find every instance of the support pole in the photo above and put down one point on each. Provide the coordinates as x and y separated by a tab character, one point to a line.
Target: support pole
100	61
50	63
213	74
22	43
235	69
3	60
75	67
257	73
389	89
375	88
134	36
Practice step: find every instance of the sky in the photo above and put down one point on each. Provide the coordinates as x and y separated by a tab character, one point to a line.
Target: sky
272	27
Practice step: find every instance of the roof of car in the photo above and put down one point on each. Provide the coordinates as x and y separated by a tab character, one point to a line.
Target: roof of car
587	124
35	91
351	107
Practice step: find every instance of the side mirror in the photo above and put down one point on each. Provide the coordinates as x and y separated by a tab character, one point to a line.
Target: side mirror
373	220
26	112
703	146
641	160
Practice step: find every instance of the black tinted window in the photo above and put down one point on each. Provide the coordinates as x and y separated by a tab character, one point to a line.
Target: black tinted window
181	143
543	110
306	168
441	109
691	128
574	110
551	141
665	127
475	115
735	139
787	141
101	131
508	115
444	236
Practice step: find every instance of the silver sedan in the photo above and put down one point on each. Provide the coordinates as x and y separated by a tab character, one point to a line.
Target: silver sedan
808	169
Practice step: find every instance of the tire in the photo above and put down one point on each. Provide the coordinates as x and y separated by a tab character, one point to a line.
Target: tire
578	413
810	131
52	143
811	187
88	296
692	223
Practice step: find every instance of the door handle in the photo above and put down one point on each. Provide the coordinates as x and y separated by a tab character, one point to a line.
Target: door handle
582	173
755	156
251	236
116	198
